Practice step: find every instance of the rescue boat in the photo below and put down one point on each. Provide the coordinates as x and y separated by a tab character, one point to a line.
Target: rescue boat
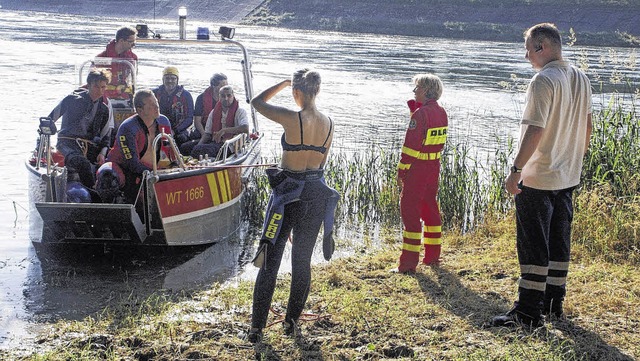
192	203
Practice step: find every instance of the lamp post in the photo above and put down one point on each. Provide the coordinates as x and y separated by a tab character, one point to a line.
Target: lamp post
182	14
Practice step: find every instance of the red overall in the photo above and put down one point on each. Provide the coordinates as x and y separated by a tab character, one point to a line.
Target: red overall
419	169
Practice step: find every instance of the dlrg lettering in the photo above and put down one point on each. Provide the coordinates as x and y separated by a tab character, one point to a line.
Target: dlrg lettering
272	227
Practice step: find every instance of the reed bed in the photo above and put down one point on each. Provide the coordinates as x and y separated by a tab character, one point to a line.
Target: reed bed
472	187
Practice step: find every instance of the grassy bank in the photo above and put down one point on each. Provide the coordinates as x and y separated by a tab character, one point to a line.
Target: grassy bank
599	22
363	312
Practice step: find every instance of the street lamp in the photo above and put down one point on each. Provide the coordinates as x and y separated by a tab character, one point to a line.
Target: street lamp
182	14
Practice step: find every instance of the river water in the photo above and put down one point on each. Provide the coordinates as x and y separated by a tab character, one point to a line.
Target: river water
366	82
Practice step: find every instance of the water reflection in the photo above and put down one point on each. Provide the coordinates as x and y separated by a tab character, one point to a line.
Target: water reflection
73	282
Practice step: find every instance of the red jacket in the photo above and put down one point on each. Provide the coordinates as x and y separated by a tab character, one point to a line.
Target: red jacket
119	72
425	138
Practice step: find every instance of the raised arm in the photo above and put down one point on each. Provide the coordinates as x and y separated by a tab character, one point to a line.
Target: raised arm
276	113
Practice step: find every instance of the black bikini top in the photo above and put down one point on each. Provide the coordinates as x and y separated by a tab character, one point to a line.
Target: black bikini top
298	147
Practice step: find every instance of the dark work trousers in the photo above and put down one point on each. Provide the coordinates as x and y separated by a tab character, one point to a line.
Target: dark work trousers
210	149
75	159
543	220
304	218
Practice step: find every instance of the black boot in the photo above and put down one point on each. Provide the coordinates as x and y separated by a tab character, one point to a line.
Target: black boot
515	318
553	299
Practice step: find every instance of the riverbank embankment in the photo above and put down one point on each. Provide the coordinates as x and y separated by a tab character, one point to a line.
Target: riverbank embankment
595	22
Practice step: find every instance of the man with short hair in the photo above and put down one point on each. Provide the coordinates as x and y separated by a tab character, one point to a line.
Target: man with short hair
556	128
176	103
225	121
205	102
132	151
87	124
121	48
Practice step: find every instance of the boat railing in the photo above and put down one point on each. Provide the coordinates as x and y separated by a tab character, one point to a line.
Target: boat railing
169	138
101	62
234	147
46	129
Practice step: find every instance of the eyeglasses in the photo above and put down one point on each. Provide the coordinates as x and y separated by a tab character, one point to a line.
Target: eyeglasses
416	88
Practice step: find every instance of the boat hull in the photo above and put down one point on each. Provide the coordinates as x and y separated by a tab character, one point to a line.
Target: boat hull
183	208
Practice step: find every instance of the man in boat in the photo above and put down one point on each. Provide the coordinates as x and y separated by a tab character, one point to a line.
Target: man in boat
120	48
225	121
132	151
87	124
205	102
176	103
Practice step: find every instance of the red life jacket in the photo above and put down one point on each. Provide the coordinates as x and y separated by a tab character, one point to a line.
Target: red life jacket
119	72
216	124
207	104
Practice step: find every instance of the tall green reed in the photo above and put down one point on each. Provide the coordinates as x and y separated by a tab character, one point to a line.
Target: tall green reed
613	155
366	181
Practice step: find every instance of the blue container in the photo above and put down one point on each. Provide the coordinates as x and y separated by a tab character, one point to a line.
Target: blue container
203	33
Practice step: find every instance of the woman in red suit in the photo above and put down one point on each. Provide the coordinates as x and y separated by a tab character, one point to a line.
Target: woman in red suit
418	173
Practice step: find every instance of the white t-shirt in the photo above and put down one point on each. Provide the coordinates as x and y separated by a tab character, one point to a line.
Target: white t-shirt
241	118
559	100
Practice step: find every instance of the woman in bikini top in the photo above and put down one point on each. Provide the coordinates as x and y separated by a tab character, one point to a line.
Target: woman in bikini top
307	133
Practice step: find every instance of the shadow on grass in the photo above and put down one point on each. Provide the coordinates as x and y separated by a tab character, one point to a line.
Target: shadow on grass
447	291
588	345
478	309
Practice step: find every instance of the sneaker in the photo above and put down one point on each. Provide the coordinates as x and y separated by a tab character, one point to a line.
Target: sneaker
516	318
255	335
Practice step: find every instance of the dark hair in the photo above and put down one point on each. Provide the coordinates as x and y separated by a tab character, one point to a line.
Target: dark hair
125	32
308	81
140	96
95	76
217	78
538	33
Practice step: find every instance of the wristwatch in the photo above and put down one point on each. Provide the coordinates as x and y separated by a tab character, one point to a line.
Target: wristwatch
515	169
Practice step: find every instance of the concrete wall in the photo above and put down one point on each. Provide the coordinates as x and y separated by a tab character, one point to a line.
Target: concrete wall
227	11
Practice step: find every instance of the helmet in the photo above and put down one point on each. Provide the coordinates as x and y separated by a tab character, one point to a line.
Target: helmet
77	193
171	70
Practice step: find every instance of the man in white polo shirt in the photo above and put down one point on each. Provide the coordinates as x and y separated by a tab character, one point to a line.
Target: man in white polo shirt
556	127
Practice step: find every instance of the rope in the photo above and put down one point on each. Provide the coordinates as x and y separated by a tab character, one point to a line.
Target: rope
82	143
305	317
232	166
144	176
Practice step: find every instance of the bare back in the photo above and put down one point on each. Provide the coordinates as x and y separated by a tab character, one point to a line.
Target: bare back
309	136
